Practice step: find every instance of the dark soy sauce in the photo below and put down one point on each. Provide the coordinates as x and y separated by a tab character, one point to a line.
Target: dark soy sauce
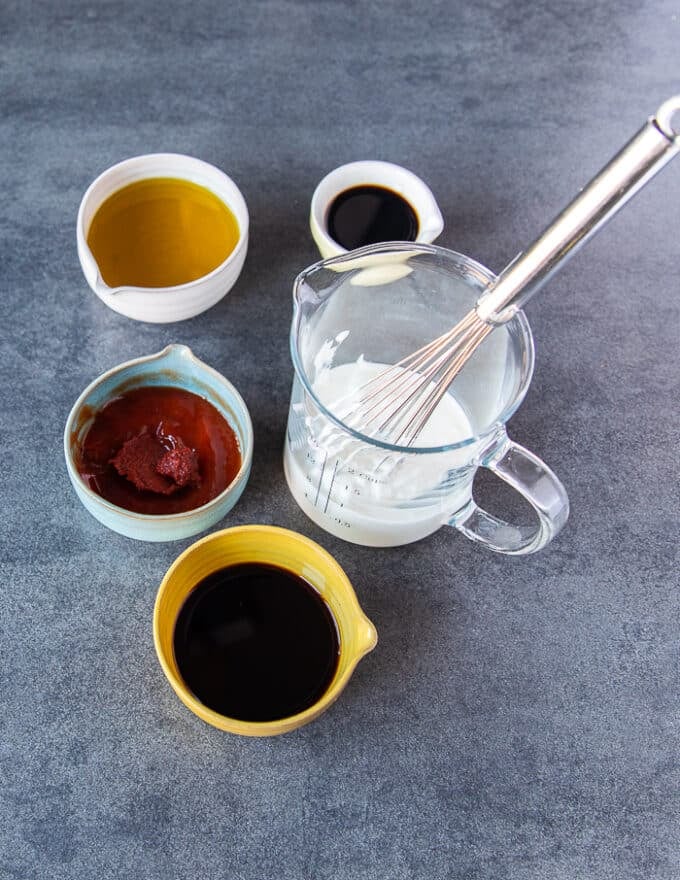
370	214
256	642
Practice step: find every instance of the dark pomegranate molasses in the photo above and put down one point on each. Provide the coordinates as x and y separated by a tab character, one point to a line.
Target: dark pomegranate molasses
256	642
370	214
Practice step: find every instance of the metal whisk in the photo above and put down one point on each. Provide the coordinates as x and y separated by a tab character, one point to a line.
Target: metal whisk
396	404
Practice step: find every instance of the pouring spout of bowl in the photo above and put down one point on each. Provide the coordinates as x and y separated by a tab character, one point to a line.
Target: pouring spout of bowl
92	273
431	223
367	637
432	229
103	290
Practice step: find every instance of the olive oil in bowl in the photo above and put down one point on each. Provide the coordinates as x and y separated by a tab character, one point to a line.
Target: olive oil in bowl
161	232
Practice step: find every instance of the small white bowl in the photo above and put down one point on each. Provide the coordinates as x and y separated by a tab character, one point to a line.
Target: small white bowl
373	173
161	305
176	365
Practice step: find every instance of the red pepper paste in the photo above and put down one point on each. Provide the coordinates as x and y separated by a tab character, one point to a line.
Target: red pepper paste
159	450
157	462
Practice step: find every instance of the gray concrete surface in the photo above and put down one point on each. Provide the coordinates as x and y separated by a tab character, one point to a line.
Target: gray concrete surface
519	718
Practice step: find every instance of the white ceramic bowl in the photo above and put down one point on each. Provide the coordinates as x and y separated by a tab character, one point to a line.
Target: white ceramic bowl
162	305
376	173
176	365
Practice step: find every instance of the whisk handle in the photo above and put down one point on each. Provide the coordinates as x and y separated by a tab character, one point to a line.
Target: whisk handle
657	142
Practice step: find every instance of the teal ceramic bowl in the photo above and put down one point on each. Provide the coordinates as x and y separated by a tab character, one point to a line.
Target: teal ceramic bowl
176	365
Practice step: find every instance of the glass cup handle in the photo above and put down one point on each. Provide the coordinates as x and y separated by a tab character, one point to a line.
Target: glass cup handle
534	480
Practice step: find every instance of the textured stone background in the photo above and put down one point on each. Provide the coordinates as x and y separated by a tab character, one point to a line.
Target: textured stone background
519	718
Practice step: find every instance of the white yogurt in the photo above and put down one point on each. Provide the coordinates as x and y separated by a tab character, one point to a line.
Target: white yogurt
362	493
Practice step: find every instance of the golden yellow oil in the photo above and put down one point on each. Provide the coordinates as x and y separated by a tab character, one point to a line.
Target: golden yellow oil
160	232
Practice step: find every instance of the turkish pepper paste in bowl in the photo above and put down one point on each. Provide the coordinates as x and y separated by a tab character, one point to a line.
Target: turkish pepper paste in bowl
159	448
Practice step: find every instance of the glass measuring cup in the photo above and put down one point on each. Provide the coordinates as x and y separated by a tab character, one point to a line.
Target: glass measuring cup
372	307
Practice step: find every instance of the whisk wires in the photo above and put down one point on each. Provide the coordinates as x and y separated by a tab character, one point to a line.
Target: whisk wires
396	404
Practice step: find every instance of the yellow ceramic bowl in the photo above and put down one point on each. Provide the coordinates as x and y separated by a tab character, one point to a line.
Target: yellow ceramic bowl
275	546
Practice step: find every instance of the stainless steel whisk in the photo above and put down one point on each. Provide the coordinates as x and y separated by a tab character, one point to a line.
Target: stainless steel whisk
396	404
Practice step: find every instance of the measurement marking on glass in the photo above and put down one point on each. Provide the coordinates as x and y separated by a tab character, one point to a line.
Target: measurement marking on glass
318	488
330	488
